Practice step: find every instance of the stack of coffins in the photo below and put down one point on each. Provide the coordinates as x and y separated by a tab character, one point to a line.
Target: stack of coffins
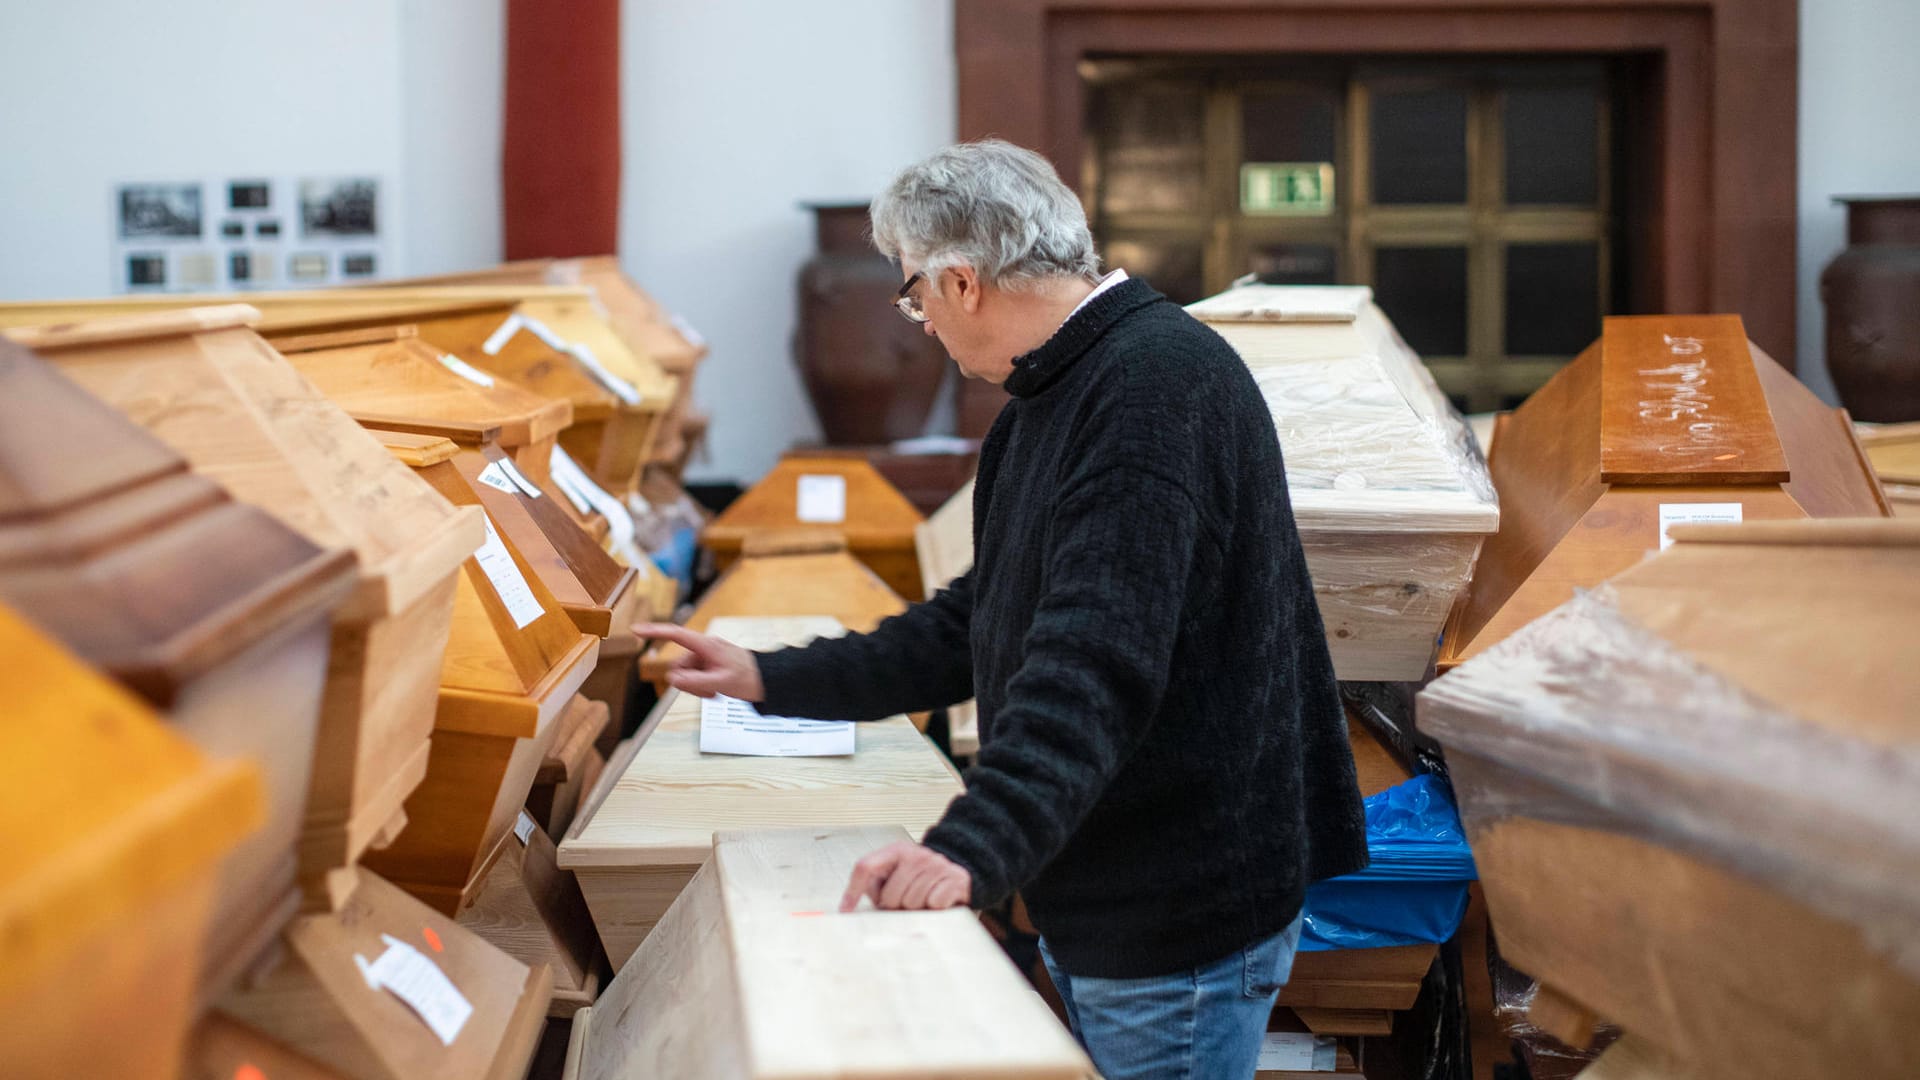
116	829
750	974
513	661
1389	493
846	495
944	545
795	572
1693	793
1894	451
648	330
1665	419
215	612
660	801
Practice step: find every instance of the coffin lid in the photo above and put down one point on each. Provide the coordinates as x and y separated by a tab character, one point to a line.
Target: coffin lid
277	443
109	543
1371	445
666	805
387	377
944	542
877	515
1748	694
105	809
1582	471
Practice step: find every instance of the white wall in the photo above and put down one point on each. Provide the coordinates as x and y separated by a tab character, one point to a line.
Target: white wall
1858	136
98	91
735	112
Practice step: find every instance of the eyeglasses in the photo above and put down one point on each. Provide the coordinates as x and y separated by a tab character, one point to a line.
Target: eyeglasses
908	304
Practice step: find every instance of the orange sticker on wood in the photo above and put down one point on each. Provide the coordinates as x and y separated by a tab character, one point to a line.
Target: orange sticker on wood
433	939
249	1071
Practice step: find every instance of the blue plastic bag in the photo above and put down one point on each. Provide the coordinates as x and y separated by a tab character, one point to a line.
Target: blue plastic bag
1415	890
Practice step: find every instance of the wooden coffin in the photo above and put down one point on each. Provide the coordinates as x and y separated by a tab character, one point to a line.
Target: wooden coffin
638	842
878	522
513	661
1693	795
223	1048
210	609
787	574
1670	412
944	545
1894	451
321	1002
532	910
752	974
209	388
115	828
1389	493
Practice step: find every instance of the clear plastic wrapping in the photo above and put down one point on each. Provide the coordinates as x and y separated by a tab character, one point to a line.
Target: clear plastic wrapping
1587	718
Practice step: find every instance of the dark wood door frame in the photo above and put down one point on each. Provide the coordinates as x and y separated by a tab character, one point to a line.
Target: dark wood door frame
1719	201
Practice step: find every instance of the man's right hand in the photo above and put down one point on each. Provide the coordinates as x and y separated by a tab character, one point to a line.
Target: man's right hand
709	666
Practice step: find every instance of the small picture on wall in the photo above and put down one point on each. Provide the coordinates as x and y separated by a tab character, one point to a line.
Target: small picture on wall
359	264
148	211
339	207
248	195
146	271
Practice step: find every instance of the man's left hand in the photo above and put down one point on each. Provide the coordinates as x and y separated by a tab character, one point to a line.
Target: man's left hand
908	877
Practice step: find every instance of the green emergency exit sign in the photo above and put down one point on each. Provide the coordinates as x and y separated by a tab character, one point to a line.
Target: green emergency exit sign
1303	188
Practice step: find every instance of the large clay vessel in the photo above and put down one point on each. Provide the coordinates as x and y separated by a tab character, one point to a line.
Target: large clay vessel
872	375
1872	294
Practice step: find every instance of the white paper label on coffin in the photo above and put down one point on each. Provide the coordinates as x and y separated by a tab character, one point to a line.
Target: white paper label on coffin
731	726
523	827
1672	514
465	370
822	500
584	493
419	983
1289	1051
519	478
508	583
495	477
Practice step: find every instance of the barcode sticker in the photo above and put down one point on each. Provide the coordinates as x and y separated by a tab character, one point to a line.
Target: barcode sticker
495	477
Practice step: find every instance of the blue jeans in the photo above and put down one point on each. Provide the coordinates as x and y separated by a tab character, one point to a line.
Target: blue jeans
1203	1024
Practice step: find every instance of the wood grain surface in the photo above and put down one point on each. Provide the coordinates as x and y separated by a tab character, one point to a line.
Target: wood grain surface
1680	403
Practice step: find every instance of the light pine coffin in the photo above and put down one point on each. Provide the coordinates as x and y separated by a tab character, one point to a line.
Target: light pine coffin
213	391
752	974
638	842
1693	795
1673	411
879	522
1389	493
532	910
944	546
320	1003
513	661
116	827
786	574
210	609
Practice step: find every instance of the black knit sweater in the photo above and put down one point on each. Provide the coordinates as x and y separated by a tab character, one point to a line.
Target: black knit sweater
1163	761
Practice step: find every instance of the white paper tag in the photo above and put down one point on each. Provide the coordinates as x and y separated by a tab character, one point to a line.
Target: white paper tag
1672	514
465	370
1289	1051
694	337
497	563
519	478
524	827
579	487
502	334
620	387
420	983
822	499
495	477
731	726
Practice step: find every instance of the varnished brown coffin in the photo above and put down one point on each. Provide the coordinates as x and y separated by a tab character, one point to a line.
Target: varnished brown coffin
638	842
210	609
1664	409
1693	797
750	958
502	686
317	1003
116	827
879	524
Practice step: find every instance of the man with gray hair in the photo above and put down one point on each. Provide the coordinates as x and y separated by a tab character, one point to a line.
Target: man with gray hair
1163	763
